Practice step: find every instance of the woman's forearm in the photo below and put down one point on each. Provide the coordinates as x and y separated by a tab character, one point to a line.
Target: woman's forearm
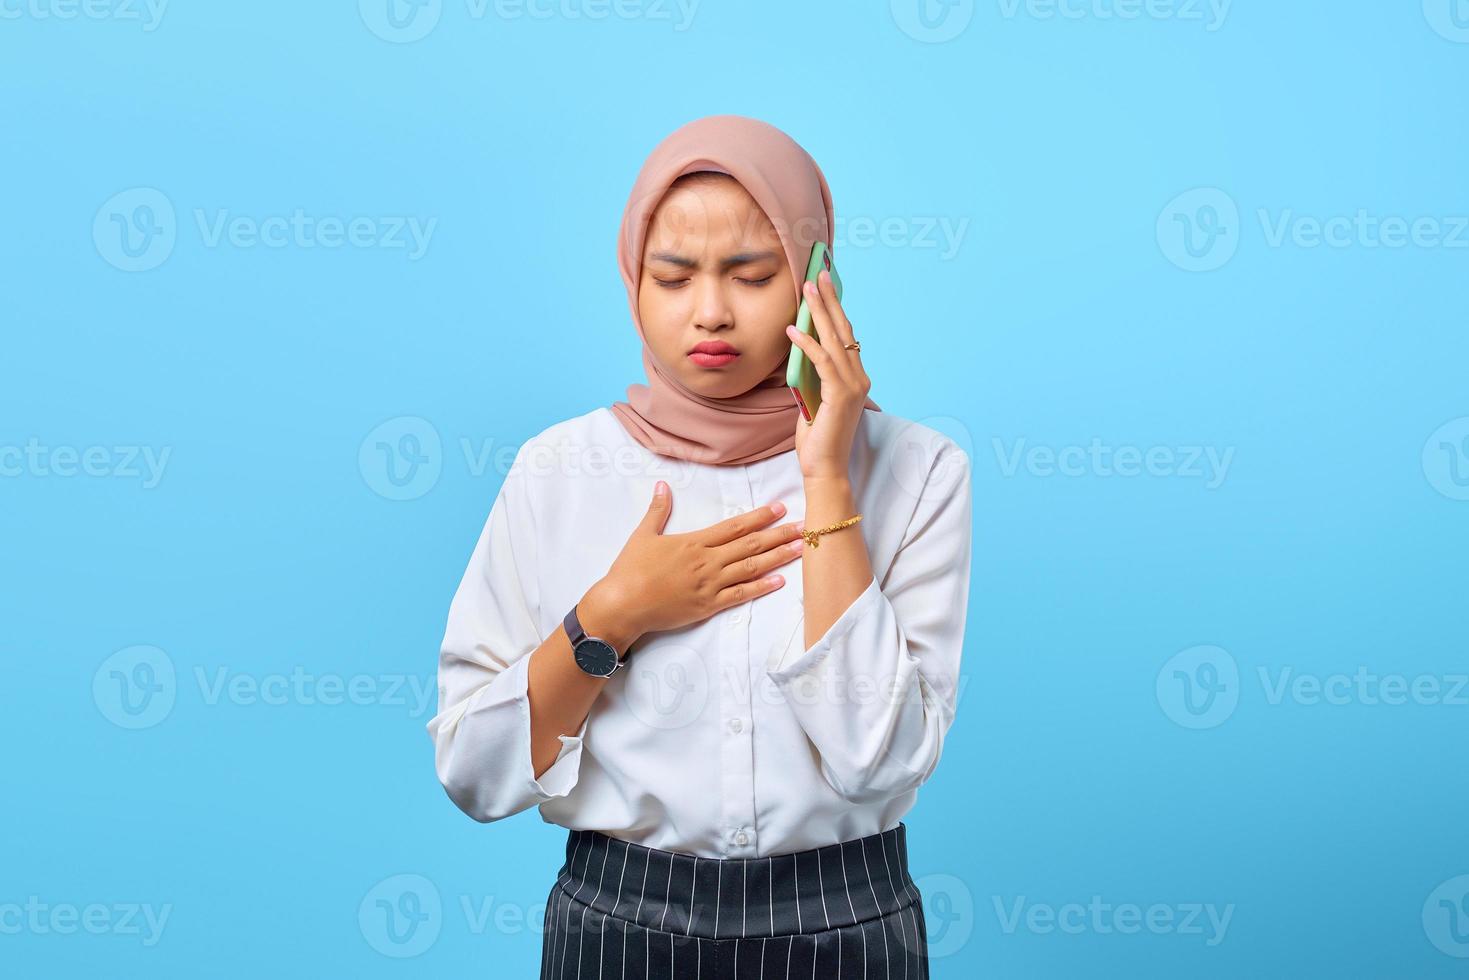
838	569
561	693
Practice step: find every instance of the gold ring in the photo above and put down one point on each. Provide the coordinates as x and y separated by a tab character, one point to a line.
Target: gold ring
854	345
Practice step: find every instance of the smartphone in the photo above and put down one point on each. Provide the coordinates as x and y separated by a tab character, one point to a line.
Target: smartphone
801	376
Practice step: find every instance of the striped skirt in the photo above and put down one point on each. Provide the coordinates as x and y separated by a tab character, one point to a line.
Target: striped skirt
847	910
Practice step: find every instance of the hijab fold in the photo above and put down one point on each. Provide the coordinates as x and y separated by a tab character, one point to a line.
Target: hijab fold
664	415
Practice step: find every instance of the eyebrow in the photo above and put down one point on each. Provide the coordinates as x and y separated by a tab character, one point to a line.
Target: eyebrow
740	258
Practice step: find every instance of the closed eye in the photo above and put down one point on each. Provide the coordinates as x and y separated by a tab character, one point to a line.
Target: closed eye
679	283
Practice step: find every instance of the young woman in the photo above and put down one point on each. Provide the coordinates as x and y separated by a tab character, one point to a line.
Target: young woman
731	736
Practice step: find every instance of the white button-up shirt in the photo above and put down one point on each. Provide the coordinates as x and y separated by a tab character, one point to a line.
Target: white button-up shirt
727	737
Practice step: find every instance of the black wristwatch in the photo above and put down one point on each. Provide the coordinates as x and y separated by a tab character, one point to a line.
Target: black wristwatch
593	655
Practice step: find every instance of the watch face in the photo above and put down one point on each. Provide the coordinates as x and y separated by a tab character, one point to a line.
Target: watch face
596	657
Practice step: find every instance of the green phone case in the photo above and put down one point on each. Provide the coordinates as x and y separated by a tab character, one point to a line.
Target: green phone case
801	376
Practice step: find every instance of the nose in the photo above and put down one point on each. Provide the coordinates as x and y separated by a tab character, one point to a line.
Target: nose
711	304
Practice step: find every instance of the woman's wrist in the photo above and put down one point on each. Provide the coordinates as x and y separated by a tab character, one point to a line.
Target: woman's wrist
603	614
833	483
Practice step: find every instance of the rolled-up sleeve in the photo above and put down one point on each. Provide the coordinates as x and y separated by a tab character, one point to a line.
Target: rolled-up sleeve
876	693
481	733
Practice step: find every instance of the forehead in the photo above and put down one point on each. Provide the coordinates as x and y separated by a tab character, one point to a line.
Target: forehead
720	213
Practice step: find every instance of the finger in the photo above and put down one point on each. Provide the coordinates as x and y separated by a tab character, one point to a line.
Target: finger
745	591
826	330
659	509
819	356
741	524
834	309
753	567
756	543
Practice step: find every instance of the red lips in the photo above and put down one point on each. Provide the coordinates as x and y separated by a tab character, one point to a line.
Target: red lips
713	347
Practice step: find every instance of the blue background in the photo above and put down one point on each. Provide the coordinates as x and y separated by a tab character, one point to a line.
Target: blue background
1073	309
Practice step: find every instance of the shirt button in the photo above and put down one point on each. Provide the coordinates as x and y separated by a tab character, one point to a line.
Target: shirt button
735	724
742	838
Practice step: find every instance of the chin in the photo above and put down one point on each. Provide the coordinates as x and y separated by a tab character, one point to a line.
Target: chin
713	384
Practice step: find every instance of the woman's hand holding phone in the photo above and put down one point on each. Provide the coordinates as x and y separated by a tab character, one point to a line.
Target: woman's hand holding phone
825	444
664	581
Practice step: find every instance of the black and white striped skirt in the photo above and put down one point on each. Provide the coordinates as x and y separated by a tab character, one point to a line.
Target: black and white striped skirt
847	910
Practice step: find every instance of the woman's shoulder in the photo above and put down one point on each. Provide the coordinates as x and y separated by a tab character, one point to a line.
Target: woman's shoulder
919	442
594	427
571	446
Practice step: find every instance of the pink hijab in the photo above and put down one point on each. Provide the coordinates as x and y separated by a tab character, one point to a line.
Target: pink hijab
664	415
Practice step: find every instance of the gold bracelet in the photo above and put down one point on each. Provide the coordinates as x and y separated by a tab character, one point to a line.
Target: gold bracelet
811	536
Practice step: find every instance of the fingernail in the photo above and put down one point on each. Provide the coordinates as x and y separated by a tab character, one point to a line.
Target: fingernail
778	507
